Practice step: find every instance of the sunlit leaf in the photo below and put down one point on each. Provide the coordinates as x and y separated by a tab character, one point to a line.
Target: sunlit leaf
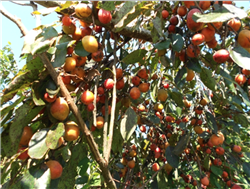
128	124
53	136
240	56
135	56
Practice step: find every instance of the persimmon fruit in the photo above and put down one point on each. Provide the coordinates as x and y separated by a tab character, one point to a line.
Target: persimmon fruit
59	109
87	97
56	169
72	131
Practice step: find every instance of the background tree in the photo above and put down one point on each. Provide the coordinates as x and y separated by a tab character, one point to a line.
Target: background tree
130	95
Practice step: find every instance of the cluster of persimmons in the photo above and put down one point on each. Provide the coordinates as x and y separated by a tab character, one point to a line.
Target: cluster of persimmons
73	74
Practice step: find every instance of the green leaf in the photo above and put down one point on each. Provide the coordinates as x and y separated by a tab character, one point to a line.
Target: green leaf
182	144
95	180
240	56
228	79
80	51
117	141
165	61
211	122
128	123
177	97
241	119
162	179
206	164
128	12
5	110
68	178
37	178
216	170
157	24
177	42
84	165
23	116
180	77
106	5
246	168
154	119
34	63
49	33
207	79
193	64
172	159
41	45
135	56
21	81
222	14
163	44
60	55
154	35
178	111
37	144
53	136
109	48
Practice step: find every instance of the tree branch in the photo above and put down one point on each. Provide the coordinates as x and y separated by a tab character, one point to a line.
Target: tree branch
112	116
127	31
87	134
14	19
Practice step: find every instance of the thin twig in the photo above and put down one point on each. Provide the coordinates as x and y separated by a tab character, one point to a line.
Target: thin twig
113	107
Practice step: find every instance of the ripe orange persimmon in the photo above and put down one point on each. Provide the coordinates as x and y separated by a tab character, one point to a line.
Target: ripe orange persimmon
90	43
86	31
77	35
59	109
72	131
135	93
99	122
191	24
245	71
55	169
70	64
144	87
204	5
87	97
188	4
120	84
83	10
217	139
155	167
26	136
198	39
208	33
48	99
119	73
142	73
217	162
205	181
198	129
181	10
164	14
190	75
65	78
66	20
221	56
131	164
193	51
24	155
212	44
97	56
220	151
236	148
240	79
83	24
80	60
203	102
77	74
216	25
244	38
234	24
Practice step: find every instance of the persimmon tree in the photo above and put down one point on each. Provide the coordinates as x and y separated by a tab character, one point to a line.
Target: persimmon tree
130	95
